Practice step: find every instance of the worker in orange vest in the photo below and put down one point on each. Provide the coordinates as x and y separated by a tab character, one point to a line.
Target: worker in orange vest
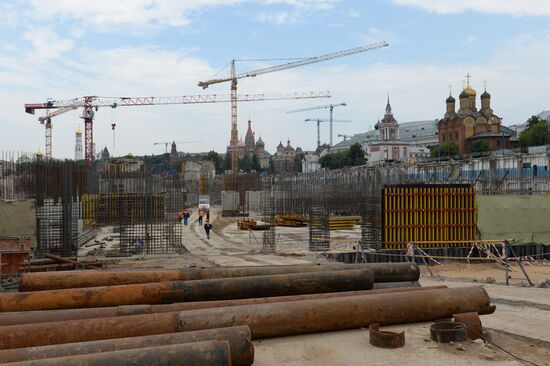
201	214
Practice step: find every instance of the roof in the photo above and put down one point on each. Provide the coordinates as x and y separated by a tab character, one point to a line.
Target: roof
544	115
488	134
416	129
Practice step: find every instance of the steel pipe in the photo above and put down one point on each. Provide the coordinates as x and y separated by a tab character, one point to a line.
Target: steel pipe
240	345
264	320
209	353
181	291
47	316
383	272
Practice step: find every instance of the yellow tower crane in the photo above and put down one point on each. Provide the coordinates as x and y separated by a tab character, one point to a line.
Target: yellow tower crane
234	77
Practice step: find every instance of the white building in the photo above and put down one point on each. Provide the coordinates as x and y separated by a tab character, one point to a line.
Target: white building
310	163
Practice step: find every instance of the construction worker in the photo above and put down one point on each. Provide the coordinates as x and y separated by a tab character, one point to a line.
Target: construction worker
201	214
186	216
207	228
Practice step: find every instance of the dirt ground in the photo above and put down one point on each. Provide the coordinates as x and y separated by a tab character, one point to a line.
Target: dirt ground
352	347
538	272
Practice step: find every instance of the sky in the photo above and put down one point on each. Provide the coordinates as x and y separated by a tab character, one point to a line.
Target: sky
71	48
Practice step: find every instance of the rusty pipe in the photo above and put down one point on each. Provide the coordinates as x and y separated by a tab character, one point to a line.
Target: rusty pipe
69	261
240	345
383	272
208	353
47	316
264	320
180	291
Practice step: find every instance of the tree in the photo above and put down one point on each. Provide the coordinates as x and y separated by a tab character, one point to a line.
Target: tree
298	162
536	133
449	148
216	159
245	164
227	161
356	156
255	163
479	146
335	160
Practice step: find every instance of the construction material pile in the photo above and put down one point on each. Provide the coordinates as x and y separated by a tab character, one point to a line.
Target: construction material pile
208	316
250	224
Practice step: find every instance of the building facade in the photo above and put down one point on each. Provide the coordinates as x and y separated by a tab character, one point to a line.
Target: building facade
388	147
78	149
283	160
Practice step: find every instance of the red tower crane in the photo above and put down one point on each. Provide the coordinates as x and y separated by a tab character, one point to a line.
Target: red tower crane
90	104
234	77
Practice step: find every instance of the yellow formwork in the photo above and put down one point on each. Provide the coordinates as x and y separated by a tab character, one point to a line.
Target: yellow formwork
439	214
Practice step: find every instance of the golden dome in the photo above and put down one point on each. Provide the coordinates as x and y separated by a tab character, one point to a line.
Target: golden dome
470	91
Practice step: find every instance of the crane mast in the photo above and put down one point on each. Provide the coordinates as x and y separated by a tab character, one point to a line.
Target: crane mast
308	61
319	121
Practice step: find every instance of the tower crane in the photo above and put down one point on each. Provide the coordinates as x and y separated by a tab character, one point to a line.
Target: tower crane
234	77
166	143
319	121
91	104
328	106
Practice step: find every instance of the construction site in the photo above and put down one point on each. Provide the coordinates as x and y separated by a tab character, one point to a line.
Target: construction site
447	261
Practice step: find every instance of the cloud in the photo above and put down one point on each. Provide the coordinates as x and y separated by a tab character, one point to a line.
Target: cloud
278	18
510	7
125	12
47	44
304	4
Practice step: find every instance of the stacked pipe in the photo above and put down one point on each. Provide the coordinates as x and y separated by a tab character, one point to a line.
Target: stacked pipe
208	316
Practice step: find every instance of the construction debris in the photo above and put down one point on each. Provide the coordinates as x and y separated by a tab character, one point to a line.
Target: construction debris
250	224
446	332
385	339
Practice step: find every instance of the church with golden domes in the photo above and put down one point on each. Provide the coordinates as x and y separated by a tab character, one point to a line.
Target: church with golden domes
467	125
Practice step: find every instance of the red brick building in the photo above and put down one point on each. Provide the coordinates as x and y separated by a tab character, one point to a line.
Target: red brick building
469	124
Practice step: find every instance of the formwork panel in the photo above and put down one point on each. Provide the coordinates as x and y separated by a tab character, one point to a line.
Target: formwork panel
440	214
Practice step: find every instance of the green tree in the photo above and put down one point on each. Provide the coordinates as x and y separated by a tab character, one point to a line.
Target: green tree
255	164
217	160
298	162
227	161
449	148
479	146
356	155
245	164
536	133
335	160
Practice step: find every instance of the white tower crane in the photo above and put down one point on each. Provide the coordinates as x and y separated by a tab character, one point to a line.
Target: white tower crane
329	107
